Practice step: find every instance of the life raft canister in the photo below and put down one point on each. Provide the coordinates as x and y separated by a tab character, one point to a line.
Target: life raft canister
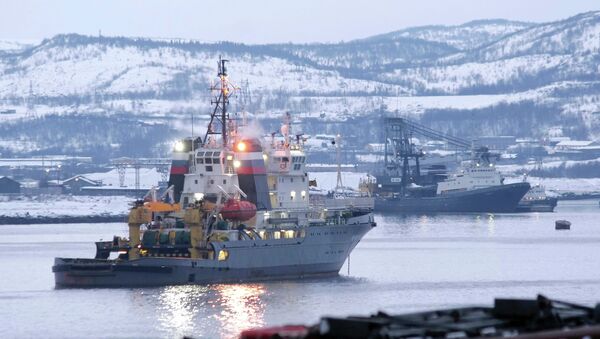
238	210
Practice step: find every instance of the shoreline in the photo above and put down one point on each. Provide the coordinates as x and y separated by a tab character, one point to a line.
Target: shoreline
80	219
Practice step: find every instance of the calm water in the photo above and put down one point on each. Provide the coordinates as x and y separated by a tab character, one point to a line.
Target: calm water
405	264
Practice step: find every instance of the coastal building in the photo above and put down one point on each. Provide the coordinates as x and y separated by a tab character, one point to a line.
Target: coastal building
9	186
74	184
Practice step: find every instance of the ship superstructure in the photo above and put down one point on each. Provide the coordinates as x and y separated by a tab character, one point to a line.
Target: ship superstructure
474	174
237	209
536	200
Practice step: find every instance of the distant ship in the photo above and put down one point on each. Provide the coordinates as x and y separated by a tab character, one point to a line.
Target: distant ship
536	200
476	187
242	213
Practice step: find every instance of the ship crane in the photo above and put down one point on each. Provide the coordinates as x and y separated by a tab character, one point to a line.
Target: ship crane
398	142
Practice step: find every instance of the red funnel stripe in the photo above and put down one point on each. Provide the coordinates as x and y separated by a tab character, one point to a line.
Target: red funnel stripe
179	170
251	170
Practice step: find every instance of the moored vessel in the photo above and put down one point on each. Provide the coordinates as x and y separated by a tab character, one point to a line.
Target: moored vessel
476	187
536	200
237	210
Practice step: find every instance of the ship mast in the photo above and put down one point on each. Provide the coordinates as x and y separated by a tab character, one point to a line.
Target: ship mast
221	102
339	185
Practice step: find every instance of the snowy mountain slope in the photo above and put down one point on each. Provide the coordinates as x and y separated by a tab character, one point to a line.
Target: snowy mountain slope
71	65
576	35
359	55
467	36
154	86
525	56
537	56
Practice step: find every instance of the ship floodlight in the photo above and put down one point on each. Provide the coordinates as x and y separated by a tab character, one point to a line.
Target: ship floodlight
179	146
236	163
265	157
241	146
198	196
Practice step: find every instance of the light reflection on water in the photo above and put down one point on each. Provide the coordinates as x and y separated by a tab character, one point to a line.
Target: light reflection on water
406	263
241	307
211	310
178	306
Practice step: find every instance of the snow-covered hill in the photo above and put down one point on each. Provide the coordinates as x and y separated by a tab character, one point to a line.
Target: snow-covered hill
75	65
467	36
431	71
577	35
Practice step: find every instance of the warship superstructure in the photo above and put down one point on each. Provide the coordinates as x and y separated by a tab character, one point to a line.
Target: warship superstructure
237	209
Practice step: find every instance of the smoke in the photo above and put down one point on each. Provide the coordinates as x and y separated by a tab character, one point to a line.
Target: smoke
253	130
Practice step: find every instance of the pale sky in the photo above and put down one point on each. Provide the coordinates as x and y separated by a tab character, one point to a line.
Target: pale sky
262	21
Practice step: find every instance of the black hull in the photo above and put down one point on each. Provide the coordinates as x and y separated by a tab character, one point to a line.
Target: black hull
495	199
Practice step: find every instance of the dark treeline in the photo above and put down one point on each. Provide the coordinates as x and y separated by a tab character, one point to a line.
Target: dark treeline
523	119
102	137
584	170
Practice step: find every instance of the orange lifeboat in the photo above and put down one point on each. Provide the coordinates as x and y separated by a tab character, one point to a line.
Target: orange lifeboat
238	210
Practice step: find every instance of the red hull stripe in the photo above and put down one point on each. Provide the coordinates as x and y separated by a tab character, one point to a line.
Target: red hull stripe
251	170
179	170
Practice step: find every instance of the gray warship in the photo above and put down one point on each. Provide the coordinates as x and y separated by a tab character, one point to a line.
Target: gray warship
237	210
475	188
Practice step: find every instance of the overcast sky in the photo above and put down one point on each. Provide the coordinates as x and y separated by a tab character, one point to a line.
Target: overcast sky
262	21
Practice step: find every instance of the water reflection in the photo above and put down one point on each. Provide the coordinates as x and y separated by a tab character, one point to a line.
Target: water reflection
491	225
449	225
210	311
178	307
241	307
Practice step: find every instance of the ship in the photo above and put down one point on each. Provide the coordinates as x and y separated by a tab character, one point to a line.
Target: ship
237	210
536	200
476	187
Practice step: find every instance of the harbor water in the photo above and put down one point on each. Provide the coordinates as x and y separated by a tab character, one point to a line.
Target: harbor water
406	263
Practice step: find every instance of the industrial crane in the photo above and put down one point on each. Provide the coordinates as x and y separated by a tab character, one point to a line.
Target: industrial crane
398	135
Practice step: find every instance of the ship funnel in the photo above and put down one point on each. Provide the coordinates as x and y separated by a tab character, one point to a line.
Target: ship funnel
180	165
252	174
